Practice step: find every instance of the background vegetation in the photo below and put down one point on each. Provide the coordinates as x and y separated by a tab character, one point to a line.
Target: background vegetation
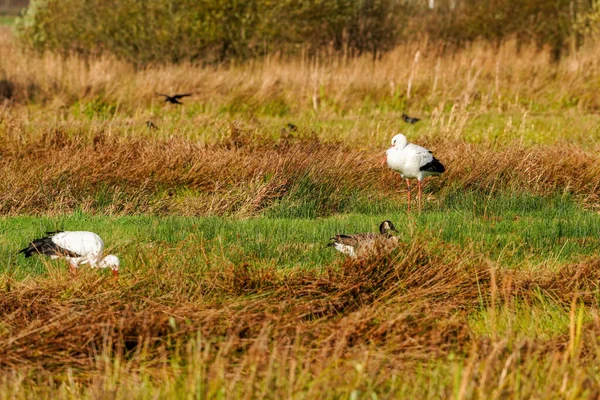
221	215
167	31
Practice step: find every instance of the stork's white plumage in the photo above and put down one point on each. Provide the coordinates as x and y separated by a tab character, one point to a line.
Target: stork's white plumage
412	162
77	247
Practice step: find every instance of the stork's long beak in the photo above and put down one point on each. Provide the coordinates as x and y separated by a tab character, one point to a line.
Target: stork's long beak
384	159
115	273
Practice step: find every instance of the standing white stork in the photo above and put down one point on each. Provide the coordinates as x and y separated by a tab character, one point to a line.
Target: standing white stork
77	247
412	162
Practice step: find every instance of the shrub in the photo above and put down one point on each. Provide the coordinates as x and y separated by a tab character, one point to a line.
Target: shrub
166	31
170	31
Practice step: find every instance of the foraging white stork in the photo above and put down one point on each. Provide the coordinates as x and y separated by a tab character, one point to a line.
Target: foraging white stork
361	244
412	162
77	247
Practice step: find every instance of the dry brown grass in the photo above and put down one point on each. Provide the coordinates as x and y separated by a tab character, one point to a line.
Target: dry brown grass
57	158
57	174
481	76
391	313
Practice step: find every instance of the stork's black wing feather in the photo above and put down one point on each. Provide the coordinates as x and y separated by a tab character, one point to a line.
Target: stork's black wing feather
46	247
433	166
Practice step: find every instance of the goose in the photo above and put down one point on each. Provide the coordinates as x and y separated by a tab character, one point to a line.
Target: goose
77	247
361	244
412	162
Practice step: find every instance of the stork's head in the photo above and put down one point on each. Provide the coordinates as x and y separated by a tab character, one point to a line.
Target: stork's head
399	141
387	226
112	262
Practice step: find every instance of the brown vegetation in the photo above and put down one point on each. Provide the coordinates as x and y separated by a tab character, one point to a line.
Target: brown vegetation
59	174
395	311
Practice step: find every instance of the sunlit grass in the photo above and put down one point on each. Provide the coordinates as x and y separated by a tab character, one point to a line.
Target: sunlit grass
223	214
541	231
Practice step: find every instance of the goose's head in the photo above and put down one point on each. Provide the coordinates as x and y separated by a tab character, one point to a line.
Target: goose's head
399	141
387	226
112	262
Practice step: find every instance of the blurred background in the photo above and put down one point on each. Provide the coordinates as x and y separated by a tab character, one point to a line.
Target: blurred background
163	31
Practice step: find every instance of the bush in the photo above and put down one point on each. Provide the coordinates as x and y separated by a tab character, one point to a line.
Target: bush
170	31
167	31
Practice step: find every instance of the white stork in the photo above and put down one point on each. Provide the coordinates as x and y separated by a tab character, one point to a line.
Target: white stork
412	162
77	247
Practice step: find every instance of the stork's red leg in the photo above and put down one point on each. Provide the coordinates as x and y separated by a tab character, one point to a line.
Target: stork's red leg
419	194
408	191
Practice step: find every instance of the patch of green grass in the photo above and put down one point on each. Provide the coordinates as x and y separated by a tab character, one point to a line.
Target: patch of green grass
7	20
509	229
542	319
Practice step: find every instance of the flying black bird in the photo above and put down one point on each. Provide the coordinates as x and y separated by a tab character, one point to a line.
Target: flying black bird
151	125
174	99
410	120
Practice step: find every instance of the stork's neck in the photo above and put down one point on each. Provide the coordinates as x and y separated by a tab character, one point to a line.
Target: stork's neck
400	144
94	261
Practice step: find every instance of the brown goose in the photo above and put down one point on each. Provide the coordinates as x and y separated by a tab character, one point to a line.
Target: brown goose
362	244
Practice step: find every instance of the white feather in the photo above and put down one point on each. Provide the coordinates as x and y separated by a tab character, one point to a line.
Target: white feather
343	248
88	245
407	158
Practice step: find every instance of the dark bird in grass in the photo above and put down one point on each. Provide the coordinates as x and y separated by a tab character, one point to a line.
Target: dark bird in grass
410	120
151	125
292	127
174	99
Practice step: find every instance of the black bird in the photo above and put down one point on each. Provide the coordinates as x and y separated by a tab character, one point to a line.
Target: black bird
174	99
151	125
292	127
410	120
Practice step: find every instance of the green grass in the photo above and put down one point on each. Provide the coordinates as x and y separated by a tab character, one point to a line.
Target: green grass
508	229
7	20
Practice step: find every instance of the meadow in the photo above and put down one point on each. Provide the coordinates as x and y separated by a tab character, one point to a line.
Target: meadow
221	218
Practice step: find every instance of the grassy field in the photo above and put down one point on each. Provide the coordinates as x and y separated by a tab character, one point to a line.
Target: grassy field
221	218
